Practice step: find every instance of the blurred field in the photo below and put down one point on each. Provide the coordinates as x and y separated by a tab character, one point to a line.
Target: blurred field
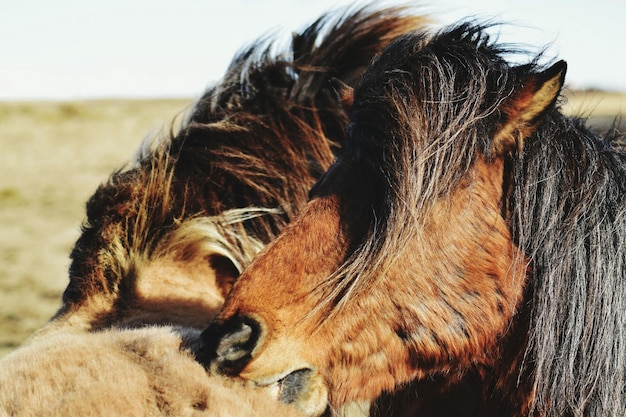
602	108
53	157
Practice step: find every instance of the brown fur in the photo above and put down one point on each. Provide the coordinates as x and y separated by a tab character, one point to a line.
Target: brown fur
142	372
432	326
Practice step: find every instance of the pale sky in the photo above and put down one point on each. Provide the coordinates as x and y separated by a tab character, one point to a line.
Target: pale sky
82	49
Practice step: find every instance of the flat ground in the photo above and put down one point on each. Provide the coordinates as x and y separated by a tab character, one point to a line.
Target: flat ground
53	157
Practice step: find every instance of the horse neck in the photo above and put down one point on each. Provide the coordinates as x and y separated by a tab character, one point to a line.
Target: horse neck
449	294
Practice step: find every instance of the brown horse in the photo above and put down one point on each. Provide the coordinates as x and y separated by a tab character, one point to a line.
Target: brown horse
165	238
470	239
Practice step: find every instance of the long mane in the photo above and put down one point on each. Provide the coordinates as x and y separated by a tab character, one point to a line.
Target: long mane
244	158
418	124
569	217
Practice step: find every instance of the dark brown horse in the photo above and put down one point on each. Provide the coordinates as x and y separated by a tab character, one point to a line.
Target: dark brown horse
470	240
165	238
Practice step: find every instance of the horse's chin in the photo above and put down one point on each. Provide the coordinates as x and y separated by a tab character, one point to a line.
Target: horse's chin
302	388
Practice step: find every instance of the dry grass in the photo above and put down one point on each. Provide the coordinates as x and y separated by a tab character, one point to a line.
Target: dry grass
53	157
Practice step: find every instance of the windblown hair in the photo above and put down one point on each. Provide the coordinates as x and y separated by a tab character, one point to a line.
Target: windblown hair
426	109
243	160
417	113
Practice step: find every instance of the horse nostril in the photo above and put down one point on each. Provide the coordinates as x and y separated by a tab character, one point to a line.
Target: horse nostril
231	346
294	385
228	345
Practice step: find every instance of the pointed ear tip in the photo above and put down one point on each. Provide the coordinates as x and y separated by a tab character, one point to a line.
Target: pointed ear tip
343	92
559	68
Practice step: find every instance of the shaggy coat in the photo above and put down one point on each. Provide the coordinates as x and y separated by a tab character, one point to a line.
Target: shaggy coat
165	238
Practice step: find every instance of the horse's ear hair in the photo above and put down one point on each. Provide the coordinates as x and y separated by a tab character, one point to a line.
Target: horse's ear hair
345	93
521	111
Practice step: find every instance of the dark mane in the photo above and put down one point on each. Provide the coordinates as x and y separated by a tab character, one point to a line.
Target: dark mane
254	143
425	110
568	215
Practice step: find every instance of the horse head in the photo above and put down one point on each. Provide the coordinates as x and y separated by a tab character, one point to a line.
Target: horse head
403	266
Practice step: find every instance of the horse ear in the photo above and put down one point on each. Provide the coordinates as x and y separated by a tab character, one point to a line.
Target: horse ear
521	111
345	93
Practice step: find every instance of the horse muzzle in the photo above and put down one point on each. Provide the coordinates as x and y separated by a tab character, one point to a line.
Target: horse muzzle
236	348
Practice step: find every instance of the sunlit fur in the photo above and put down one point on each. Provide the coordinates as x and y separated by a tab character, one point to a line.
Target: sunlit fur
179	223
147	372
468	239
165	237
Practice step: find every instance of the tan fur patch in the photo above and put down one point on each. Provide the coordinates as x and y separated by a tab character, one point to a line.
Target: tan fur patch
142	372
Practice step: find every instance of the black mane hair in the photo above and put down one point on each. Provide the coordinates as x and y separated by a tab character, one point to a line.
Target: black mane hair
569	217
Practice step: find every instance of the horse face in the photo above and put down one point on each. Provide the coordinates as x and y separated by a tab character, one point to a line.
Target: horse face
449	294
